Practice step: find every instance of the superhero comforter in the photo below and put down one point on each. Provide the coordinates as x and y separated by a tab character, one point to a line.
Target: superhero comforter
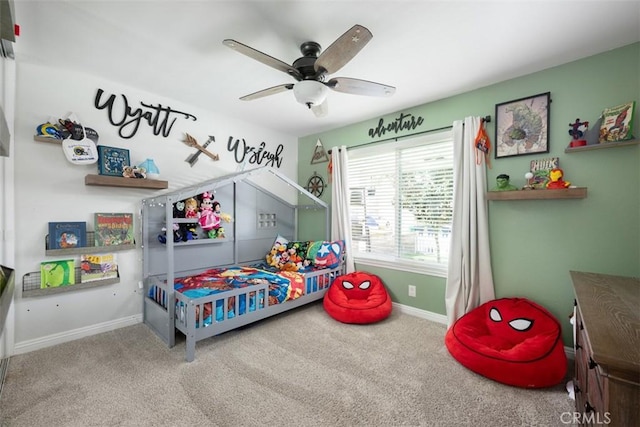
283	286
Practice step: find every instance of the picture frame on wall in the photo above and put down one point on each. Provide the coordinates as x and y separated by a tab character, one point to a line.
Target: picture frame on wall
522	126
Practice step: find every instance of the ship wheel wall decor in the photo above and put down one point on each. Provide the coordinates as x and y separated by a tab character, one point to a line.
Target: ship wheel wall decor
315	185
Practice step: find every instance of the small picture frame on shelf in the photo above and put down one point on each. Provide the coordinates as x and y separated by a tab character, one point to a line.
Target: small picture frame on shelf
67	235
522	126
112	160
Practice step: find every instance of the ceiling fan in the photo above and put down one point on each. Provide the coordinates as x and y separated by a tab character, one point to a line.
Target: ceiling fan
312	68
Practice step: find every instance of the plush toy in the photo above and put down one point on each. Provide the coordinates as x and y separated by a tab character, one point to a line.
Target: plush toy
357	297
190	211
177	234
134	172
556	181
211	218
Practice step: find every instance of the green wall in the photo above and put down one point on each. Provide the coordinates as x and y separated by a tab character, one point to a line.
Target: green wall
534	244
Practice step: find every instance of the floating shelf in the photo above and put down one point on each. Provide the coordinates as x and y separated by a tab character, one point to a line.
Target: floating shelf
89	249
50	140
116	181
566	193
603	145
31	285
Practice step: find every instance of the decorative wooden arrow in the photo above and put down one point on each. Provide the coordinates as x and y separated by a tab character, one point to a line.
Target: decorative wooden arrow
193	158
192	142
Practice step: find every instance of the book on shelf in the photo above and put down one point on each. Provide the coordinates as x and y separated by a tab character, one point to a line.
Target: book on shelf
617	123
540	169
54	274
112	160
98	267
67	235
113	229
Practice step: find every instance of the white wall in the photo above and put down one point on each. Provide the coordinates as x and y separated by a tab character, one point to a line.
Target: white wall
7	209
48	188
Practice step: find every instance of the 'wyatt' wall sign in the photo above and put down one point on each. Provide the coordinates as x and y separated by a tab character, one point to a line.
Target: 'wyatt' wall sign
160	118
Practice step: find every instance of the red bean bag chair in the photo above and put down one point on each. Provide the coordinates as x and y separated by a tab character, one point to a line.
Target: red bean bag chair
510	340
357	297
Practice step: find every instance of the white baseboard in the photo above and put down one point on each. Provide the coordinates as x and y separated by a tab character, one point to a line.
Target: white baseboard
428	315
55	339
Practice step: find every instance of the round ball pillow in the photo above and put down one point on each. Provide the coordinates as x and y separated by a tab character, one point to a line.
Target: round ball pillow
357	297
511	340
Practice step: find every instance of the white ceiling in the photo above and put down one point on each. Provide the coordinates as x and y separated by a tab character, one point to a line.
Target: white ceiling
428	50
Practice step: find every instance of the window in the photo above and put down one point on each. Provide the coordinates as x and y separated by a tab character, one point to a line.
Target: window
401	203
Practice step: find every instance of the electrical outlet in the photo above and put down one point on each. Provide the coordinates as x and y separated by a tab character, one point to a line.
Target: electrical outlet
412	291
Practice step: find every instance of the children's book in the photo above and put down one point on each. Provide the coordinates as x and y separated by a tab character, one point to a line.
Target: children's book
112	160
54	274
540	169
67	235
98	267
113	229
617	123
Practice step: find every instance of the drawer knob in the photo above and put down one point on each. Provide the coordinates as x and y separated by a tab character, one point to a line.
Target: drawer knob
588	408
592	364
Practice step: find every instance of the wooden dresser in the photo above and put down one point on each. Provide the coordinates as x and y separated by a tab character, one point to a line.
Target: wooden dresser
607	349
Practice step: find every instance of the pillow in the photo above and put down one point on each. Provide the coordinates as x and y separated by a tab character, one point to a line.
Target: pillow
327	254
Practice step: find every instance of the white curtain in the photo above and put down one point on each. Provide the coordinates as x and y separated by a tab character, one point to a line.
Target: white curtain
469	278
340	218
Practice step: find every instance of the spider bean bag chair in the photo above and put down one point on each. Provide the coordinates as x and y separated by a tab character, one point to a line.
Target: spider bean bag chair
357	297
510	340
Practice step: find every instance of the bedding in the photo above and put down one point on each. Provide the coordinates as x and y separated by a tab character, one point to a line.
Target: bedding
283	286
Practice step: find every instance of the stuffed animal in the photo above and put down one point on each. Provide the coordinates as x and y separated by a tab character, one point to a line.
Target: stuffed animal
211	218
177	234
556	181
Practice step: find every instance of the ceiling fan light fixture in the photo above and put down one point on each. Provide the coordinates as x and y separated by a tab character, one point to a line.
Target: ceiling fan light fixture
310	92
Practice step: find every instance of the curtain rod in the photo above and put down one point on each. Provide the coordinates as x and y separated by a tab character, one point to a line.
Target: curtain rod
485	119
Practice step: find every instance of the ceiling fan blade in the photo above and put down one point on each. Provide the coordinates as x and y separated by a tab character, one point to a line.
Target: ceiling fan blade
266	92
343	49
321	110
263	57
360	87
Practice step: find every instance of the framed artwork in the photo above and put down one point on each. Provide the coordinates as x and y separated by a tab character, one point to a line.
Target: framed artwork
522	126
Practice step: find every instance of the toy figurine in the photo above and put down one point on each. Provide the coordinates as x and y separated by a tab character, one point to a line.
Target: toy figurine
577	131
556	181
502	183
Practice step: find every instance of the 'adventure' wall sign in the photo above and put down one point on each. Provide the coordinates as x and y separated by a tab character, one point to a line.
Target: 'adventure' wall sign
161	119
403	122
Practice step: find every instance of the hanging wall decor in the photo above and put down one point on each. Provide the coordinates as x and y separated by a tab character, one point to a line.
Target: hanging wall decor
522	126
192	142
315	185
319	154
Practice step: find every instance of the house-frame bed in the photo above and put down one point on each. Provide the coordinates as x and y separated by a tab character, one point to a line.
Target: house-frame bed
259	216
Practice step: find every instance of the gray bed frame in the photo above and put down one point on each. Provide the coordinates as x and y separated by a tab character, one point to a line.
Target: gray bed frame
259	216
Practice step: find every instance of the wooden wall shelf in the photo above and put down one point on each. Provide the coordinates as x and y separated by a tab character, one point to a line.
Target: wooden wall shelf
566	193
116	181
601	146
